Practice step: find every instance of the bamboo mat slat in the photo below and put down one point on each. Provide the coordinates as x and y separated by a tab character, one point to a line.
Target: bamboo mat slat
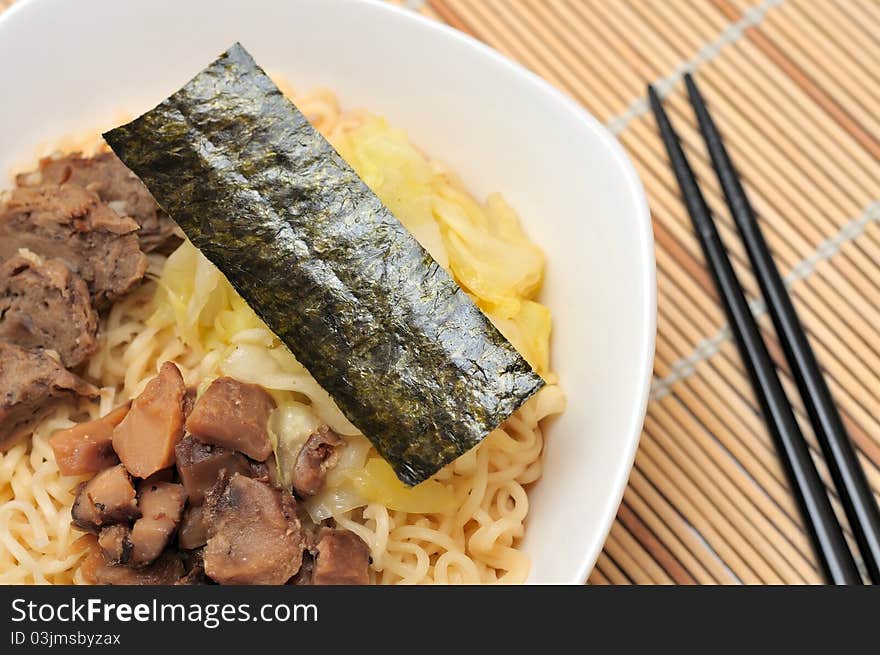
794	85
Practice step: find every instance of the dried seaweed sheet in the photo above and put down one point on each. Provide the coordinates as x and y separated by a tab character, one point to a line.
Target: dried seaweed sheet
404	352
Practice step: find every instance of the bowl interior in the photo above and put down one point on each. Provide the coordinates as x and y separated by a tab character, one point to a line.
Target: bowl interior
79	66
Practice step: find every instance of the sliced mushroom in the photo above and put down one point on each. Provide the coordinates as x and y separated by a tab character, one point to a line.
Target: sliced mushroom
161	506
107	498
318	455
199	465
192	529
115	543
253	533
343	558
87	447
166	570
234	415
146	437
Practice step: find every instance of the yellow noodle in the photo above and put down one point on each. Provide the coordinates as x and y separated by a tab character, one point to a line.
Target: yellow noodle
35	533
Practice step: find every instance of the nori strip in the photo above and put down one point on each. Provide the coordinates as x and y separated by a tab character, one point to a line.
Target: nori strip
404	352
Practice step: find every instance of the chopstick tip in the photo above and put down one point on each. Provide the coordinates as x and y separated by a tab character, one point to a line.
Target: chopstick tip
653	98
693	91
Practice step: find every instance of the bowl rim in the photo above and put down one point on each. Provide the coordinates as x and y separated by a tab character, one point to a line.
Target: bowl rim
645	238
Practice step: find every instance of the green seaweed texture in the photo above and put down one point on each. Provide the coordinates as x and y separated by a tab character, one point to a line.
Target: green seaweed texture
404	352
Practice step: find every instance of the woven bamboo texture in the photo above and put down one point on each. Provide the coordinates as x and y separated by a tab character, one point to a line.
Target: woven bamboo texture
794	85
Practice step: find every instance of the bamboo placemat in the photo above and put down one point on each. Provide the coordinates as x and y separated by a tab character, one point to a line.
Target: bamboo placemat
794	86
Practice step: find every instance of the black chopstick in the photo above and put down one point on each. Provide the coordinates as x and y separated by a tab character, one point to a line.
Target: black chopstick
821	524
849	477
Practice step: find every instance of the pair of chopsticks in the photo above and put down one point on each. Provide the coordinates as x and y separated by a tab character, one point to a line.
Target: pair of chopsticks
855	495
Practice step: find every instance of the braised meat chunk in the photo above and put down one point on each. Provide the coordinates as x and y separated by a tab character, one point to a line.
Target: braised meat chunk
63	253
317	456
342	559
87	447
161	505
70	223
107	498
199	465
44	305
146	437
31	384
253	533
234	415
115	184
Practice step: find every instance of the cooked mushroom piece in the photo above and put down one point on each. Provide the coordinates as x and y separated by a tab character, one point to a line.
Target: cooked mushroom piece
234	415
343	558
146	437
194	559
162	475
264	471
196	576
166	570
189	401
317	456
199	465
192	529
115	543
310	530
107	498
161	506
253	533
87	447
304	576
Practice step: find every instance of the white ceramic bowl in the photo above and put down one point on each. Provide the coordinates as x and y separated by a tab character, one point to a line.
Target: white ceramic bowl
73	67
